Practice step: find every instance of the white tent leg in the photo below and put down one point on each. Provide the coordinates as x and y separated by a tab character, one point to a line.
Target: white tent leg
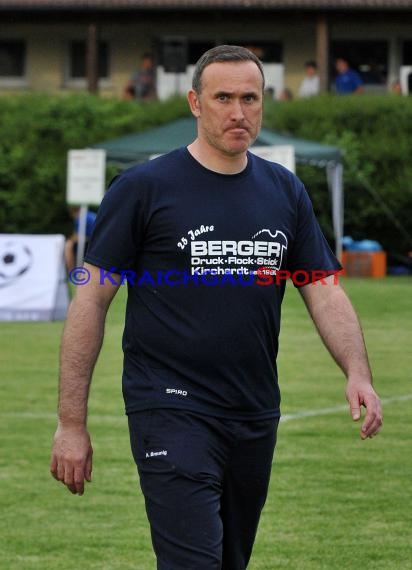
334	172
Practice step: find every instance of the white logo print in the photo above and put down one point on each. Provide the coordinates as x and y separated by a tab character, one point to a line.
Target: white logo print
155	453
270	233
176	392
265	248
282	244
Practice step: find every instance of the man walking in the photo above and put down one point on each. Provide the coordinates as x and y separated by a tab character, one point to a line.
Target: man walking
200	379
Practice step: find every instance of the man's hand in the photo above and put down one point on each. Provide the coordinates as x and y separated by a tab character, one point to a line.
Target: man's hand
339	328
71	460
359	394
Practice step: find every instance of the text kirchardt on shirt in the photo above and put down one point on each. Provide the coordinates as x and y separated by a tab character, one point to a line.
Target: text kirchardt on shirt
262	276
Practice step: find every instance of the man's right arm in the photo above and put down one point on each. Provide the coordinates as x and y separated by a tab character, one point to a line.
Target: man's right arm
71	461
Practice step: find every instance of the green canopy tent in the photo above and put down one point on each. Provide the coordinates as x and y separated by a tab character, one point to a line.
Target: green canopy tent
138	147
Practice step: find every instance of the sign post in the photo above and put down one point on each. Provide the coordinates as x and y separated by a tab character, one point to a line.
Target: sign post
85	186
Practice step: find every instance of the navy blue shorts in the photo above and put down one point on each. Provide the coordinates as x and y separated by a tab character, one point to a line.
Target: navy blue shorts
205	482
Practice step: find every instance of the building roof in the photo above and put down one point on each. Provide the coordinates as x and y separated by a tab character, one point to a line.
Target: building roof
55	5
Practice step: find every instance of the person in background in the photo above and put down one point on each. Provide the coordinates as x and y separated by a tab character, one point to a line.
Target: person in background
347	80
270	93
286	94
70	247
142	83
311	83
395	87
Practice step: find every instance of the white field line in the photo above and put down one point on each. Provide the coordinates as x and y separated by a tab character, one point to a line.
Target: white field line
107	418
337	409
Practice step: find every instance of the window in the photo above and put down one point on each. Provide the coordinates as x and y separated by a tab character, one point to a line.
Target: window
12	58
172	53
369	58
77	60
188	51
407	53
267	52
197	49
177	55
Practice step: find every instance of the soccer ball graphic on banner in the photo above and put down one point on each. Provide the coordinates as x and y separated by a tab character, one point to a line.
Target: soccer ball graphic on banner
15	260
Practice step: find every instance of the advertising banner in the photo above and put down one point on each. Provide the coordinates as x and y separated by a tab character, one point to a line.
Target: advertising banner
33	285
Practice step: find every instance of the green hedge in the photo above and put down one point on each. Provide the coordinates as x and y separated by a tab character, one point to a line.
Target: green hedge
374	132
36	133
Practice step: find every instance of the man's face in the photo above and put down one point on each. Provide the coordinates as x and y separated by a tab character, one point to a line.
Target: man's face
310	70
147	62
341	65
229	107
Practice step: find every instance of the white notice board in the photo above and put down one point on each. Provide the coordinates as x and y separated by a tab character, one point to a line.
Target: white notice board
86	171
282	154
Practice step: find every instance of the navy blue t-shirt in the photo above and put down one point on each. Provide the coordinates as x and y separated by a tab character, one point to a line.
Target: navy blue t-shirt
202	320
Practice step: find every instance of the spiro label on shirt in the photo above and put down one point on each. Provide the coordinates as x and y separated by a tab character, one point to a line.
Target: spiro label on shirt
176	392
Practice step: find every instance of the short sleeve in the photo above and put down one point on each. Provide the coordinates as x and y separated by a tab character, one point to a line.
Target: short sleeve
310	251
119	227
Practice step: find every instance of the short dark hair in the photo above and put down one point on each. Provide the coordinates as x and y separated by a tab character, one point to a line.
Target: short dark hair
311	63
223	53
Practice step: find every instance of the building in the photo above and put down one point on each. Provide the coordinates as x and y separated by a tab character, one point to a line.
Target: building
66	45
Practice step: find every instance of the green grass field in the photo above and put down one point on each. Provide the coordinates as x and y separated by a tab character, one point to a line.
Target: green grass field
335	502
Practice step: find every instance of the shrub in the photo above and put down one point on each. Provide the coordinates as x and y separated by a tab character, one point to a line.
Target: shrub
39	130
375	134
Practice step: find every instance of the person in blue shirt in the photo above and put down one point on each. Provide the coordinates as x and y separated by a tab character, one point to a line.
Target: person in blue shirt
70	247
204	234
347	80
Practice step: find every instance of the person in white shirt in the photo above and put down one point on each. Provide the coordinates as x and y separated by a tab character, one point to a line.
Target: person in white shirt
310	85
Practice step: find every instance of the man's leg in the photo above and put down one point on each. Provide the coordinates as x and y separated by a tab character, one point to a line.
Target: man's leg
180	458
245	487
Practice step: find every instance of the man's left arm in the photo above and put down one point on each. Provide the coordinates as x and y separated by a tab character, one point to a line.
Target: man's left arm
339	328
